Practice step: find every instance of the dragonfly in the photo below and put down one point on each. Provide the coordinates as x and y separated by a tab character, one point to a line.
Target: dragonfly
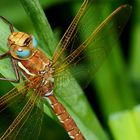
40	72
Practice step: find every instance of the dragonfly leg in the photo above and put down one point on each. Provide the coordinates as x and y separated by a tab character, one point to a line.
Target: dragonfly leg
15	70
28	86
7	22
3	55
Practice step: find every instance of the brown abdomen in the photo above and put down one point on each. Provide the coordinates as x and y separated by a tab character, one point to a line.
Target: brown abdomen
65	119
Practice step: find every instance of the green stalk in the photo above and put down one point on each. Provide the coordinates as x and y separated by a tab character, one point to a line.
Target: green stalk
135	49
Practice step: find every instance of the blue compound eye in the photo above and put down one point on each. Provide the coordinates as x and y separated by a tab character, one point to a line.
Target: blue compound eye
23	53
35	44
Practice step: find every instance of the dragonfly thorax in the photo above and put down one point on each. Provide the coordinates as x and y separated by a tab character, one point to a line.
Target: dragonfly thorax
38	64
39	68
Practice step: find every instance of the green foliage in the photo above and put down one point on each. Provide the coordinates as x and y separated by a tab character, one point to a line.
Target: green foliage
116	82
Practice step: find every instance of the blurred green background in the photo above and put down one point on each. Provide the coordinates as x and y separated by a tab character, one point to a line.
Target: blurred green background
114	92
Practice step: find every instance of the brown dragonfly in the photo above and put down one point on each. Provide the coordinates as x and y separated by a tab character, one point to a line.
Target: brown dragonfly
41	74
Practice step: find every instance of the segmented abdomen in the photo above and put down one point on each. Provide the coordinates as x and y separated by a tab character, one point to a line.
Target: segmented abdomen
65	118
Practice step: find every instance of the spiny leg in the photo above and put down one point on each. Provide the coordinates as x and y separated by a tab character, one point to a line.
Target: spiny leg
7	22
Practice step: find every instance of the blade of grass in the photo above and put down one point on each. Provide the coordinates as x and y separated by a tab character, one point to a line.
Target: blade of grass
123	127
135	49
136	113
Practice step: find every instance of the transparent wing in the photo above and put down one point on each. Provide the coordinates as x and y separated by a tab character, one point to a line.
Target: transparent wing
19	91
23	111
9	96
88	55
69	34
30	126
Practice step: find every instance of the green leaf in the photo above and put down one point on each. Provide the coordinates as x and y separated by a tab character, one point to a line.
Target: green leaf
123	127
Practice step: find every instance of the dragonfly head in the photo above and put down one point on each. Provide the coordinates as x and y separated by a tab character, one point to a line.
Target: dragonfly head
22	45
